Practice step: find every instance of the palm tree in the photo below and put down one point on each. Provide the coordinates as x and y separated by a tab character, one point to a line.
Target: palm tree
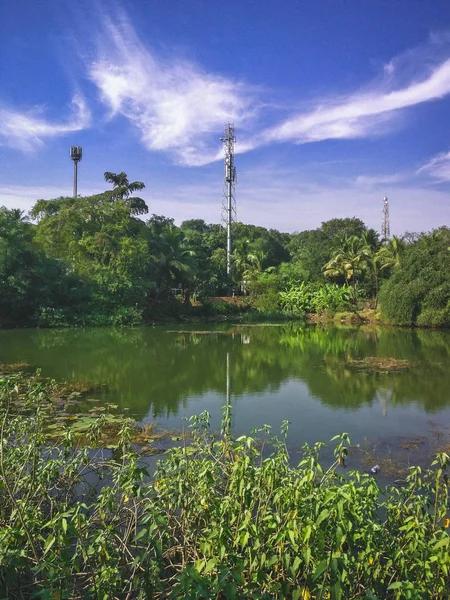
395	247
347	261
175	259
122	189
247	262
375	262
370	239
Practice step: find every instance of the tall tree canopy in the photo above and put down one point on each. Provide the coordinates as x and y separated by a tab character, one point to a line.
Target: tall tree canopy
311	250
122	190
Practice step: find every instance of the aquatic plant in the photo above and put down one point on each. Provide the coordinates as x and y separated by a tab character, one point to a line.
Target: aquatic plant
219	518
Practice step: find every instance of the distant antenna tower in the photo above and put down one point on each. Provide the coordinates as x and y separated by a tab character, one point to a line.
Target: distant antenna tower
76	154
385	228
229	191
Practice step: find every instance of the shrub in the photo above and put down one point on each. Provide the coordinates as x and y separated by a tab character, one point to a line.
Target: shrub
418	292
328	297
219	519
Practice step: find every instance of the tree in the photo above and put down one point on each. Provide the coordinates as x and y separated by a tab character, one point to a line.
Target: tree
418	291
395	247
348	260
310	250
101	242
198	225
122	189
174	260
158	223
30	282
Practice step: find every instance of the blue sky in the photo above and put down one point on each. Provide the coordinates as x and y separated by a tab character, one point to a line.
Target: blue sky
335	104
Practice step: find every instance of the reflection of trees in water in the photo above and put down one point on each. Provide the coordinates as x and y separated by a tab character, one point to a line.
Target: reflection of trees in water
427	382
151	367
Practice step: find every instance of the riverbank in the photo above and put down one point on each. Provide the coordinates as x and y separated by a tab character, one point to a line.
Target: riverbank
221	518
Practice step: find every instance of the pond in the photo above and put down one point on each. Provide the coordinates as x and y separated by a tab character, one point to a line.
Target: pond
309	375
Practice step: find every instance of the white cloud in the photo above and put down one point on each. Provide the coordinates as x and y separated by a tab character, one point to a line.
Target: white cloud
180	109
438	167
27	130
364	113
176	106
375	181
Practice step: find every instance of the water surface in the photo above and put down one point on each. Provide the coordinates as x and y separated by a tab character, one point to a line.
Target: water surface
268	373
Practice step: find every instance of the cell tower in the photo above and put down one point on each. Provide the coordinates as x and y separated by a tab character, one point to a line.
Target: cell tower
229	189
76	154
385	228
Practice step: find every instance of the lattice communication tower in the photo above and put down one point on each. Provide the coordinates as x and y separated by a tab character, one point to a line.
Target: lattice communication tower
385	227
229	189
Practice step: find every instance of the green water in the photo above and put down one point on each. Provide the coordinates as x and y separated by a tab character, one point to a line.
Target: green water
270	373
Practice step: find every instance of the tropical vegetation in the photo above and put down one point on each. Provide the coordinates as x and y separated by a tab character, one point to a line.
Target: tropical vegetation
218	518
99	260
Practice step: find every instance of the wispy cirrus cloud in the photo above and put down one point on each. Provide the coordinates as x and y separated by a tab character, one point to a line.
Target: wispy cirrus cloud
176	106
375	181
415	77
437	167
179	108
27	130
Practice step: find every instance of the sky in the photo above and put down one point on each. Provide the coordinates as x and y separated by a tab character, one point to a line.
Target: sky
335	103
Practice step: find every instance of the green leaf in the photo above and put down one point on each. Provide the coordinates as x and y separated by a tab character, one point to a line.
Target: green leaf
210	565
244	538
307	555
441	543
291	534
336	591
323	515
307	533
396	585
321	568
49	543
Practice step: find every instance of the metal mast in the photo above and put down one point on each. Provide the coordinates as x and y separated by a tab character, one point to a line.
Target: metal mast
229	191
76	153
385	228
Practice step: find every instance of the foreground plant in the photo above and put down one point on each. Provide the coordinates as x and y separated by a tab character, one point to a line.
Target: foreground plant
219	519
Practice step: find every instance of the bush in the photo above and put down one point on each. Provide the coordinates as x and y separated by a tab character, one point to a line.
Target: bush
267	302
418	292
219	519
312	298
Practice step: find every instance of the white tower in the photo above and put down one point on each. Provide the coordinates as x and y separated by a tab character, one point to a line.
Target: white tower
385	227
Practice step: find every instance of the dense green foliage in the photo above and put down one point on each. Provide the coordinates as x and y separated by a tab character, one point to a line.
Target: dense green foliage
418	293
31	282
310	298
310	250
220	518
95	261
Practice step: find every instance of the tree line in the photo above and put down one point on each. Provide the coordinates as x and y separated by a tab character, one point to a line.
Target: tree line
98	260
